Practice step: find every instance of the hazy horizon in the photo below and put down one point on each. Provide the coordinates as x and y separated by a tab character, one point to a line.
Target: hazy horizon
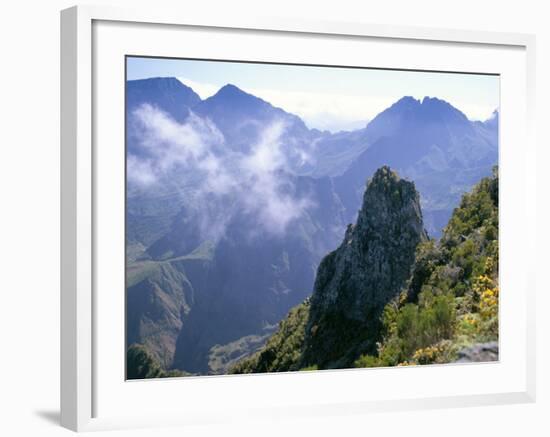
327	98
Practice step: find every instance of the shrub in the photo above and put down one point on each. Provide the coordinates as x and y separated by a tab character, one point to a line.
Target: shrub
414	327
367	361
437	353
140	364
308	368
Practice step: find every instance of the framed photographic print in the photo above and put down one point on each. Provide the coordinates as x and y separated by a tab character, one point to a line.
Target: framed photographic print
269	218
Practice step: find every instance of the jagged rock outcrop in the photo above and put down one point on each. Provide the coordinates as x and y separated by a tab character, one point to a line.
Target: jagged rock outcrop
353	284
358	279
193	302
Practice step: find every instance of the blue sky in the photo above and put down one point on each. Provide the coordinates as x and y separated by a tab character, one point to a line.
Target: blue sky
327	98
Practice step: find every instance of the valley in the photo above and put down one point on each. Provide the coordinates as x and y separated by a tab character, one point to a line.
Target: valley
232	204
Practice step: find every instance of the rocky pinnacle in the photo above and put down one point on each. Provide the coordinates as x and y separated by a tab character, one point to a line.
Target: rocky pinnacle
368	269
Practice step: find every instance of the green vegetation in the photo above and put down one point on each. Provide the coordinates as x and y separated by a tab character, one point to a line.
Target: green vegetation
140	364
309	368
222	357
449	302
452	298
283	351
367	361
417	332
368	269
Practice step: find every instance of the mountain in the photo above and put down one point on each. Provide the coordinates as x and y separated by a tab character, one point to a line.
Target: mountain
159	297
197	254
431	143
449	310
335	152
247	113
232	203
492	122
369	268
424	120
192	297
150	210
243	118
167	93
356	281
251	281
389	296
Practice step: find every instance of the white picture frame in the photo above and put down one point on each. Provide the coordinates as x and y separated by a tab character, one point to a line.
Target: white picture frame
81	364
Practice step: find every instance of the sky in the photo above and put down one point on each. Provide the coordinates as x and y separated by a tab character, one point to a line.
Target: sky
331	98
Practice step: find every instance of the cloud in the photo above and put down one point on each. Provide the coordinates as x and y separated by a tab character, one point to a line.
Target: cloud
139	171
170	143
324	111
203	89
264	174
257	183
333	111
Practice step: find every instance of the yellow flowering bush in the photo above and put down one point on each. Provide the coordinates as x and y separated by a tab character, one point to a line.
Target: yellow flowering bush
488	306
486	291
426	355
435	353
468	325
470	320
407	363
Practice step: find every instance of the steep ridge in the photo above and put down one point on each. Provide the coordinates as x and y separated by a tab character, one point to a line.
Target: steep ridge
239	285
368	269
243	118
445	311
159	297
248	111
431	143
167	93
185	309
450	307
353	284
253	281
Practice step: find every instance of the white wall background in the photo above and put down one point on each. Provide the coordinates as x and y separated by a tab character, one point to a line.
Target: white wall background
29	215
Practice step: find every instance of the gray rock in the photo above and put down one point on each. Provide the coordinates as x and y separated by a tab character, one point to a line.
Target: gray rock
478	353
360	277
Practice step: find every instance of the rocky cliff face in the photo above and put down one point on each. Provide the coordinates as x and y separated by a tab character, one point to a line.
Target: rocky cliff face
390	297
371	266
204	281
358	279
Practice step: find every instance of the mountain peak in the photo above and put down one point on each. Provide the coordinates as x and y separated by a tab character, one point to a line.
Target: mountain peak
230	88
410	113
237	99
494	116
406	102
384	175
427	100
240	116
160	83
444	110
233	92
493	121
387	194
427	105
370	268
167	93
